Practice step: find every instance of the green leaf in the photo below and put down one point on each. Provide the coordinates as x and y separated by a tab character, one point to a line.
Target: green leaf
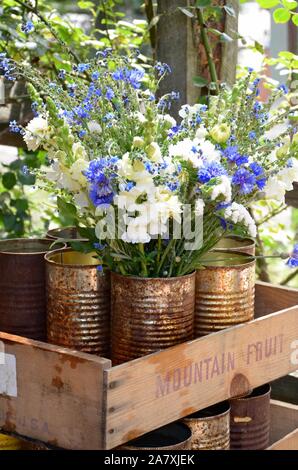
295	19
9	221
290	4
268	3
230	10
225	38
281	15
186	12
26	180
85	5
200	82
203	3
259	47
67	211
9	180
286	55
20	204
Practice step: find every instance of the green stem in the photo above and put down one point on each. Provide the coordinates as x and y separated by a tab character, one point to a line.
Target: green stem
143	260
208	49
158	249
165	254
289	277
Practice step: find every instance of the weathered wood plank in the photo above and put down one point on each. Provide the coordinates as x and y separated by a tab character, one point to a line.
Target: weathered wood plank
51	394
283	419
289	442
163	387
271	298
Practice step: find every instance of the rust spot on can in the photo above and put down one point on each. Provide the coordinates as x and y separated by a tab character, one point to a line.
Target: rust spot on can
78	302
150	314
250	420
57	382
174	436
210	428
225	292
22	287
233	243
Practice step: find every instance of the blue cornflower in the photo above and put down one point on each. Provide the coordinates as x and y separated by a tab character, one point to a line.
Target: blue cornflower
28	27
232	154
252	135
245	179
261	182
81	112
99	268
62	74
101	195
109	93
210	170
173	186
13	127
283	88
82	67
173	131
34	107
95	75
129	185
293	259
162	69
82	133
256	169
99	246
131	76
71	89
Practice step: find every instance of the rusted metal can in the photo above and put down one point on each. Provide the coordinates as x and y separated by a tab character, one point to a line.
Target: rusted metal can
210	427
149	314
250	420
22	287
225	292
67	233
78	302
174	436
238	244
11	443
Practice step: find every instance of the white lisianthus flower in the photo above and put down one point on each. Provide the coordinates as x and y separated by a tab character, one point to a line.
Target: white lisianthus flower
77	169
79	151
136	234
210	153
36	131
188	150
94	127
224	188
278	184
238	214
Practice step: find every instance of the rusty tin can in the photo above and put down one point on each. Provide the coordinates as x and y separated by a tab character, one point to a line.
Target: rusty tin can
250	420
149	314
78	302
210	427
22	287
174	436
67	233
238	244
225	292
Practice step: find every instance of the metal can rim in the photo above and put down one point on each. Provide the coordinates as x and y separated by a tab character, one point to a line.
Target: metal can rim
66	266
147	279
50	233
192	417
250	396
250	261
42	241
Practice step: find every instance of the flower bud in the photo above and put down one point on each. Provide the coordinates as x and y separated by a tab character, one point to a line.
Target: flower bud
220	133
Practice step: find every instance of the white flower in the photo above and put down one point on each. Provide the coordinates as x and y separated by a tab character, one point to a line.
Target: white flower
77	169
36	131
79	151
140	117
209	151
187	111
199	207
138	142
94	127
81	200
222	189
278	184
136	234
168	120
186	149
154	153
238	214
201	132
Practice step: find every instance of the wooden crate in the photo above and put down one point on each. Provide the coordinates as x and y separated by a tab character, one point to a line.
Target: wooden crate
77	401
283	426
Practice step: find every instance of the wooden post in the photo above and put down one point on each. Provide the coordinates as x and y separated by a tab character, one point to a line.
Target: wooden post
176	46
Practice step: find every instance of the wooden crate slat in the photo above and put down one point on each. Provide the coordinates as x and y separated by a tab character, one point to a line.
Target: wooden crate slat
283	419
289	442
151	391
60	394
271	298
